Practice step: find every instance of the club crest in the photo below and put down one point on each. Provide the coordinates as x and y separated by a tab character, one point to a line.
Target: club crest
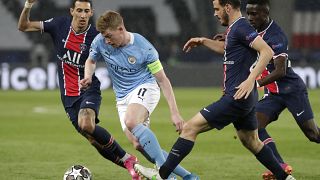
83	47
132	59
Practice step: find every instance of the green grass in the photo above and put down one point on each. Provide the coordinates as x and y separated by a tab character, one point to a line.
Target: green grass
38	142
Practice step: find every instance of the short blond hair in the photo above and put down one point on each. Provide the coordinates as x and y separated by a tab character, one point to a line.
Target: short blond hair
109	20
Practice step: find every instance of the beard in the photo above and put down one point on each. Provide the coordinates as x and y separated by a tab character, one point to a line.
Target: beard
225	19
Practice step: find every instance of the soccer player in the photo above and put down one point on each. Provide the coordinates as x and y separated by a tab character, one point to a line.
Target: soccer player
72	37
135	70
283	87
237	105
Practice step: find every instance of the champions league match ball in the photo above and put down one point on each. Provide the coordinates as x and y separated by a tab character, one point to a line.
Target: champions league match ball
77	172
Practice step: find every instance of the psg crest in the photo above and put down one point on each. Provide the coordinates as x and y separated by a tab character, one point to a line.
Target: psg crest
83	47
132	59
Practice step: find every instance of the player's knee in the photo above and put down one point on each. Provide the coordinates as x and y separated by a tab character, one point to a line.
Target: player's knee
130	123
189	130
86	120
251	143
314	136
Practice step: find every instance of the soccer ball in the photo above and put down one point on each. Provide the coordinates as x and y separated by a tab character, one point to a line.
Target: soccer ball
77	172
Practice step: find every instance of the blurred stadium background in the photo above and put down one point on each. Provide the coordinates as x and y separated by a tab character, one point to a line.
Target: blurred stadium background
38	142
26	58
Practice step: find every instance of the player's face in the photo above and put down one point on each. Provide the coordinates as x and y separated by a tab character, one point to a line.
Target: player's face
81	14
220	13
114	37
257	16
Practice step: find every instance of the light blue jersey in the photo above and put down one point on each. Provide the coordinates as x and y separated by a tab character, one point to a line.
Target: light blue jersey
127	65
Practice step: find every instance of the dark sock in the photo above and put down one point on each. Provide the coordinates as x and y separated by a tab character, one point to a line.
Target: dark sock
266	157
99	138
103	137
267	140
179	151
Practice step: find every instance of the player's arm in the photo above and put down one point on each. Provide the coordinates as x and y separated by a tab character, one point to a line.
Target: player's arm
280	64
89	68
157	70
24	23
265	55
215	45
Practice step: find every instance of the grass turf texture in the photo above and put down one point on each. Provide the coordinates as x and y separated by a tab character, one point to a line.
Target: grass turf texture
37	141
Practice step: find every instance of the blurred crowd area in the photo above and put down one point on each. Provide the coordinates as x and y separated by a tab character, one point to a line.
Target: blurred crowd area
168	24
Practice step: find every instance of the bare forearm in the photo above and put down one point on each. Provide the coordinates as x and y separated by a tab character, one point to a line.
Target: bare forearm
264	58
168	93
89	69
24	19
214	45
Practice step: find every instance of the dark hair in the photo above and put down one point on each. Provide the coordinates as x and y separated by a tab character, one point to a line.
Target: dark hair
259	2
234	3
74	2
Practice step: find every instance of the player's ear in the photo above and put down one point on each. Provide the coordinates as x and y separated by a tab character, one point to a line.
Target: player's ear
71	11
92	11
227	8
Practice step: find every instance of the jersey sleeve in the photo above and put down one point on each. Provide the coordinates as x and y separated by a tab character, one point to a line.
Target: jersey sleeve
153	62
279	45
50	25
94	52
246	33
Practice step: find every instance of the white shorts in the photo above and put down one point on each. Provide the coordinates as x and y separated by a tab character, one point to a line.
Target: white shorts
148	95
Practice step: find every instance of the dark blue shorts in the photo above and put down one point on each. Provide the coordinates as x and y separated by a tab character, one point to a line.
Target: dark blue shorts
296	102
226	110
72	105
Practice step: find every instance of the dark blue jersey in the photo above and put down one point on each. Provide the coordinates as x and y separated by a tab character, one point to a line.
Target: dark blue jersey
277	40
72	51
238	54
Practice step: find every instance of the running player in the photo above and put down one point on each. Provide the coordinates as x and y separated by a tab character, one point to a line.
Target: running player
283	87
237	105
135	70
72	37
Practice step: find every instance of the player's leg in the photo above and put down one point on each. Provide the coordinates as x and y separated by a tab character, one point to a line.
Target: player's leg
311	130
99	137
73	115
179	170
263	153
301	110
267	111
184	143
248	134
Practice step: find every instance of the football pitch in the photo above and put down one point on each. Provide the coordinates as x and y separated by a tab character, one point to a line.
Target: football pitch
37	141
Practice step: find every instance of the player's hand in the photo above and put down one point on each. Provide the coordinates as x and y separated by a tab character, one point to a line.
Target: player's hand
193	42
244	89
219	37
177	122
85	83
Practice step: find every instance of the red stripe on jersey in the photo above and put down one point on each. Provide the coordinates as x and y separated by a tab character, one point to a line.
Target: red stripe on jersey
272	87
71	80
74	41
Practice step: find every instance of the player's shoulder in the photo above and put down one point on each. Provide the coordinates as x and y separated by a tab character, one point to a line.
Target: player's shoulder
59	19
276	32
141	41
139	38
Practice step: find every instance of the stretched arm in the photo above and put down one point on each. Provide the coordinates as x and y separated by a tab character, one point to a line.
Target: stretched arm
214	45
24	23
280	64
89	69
265	55
167	91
